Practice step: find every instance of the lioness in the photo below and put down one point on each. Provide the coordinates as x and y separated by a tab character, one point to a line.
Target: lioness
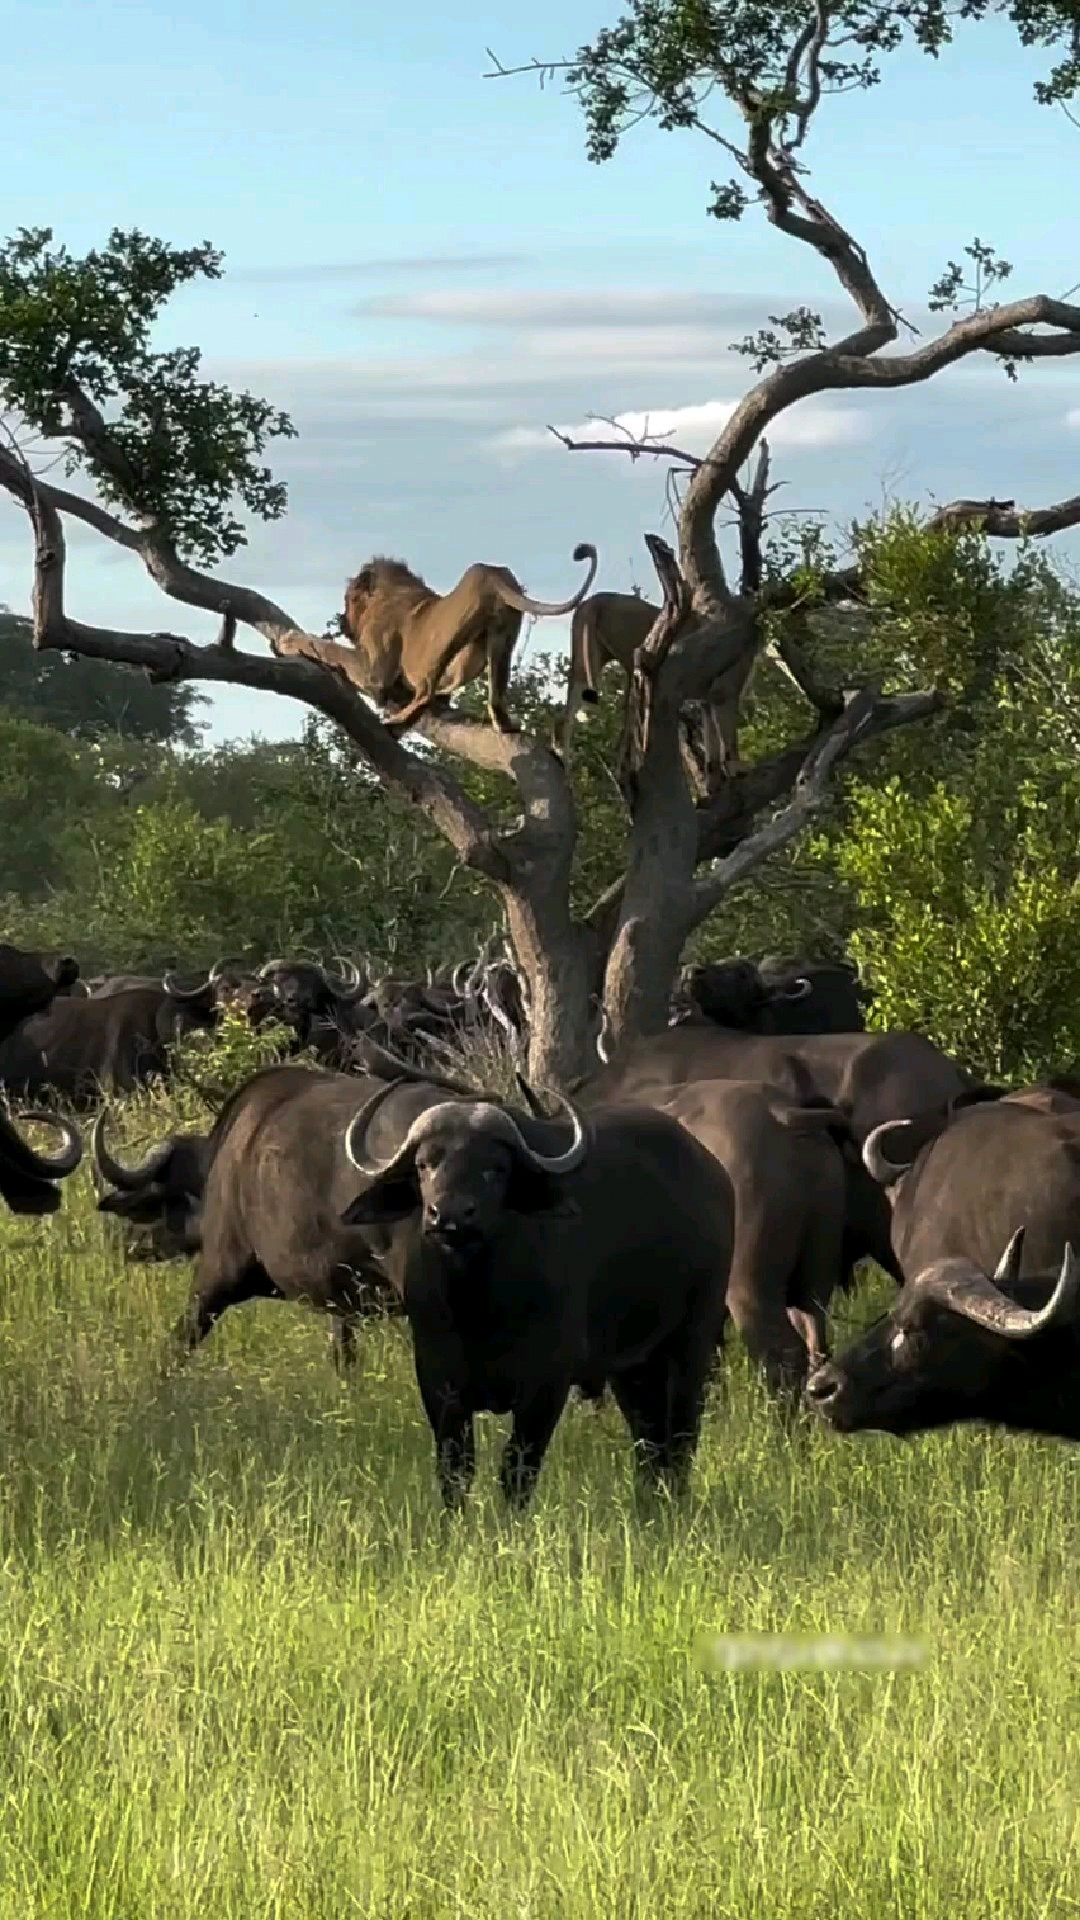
411	645
612	626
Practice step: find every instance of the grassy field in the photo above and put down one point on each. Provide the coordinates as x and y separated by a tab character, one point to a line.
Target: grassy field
247	1670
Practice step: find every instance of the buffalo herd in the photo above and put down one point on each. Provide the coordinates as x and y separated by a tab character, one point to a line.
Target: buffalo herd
734	1167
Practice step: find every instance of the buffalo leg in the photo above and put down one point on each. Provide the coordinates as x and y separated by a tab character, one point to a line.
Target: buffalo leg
210	1300
530	1436
662	1402
452	1428
343	1346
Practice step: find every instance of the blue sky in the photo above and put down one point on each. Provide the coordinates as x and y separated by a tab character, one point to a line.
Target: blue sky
424	270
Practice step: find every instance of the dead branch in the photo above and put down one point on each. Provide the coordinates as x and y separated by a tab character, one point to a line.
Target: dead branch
750	503
648	660
865	714
788	648
634	449
1005	520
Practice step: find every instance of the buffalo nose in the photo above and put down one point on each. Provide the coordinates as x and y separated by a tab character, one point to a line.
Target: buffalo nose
823	1386
451	1219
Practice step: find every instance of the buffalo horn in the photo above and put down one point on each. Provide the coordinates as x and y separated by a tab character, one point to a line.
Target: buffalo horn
798	989
976	1298
459	979
70	1155
1008	1267
221	967
876	1161
270	967
177	991
125	1179
484	1113
348	983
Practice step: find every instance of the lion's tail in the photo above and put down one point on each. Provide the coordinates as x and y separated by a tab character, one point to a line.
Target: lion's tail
522	604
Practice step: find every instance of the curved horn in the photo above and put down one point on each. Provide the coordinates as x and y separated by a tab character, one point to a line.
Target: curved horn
356	1132
798	989
976	1298
604	1047
1008	1267
126	1179
566	1162
459	978
349	983
176	991
221	967
268	969
877	1162
59	1166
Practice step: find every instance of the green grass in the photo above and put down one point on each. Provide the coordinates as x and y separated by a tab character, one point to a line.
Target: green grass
246	1669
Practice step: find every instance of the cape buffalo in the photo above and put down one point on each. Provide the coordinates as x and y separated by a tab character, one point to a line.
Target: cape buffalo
870	1077
965	1191
28	1179
779	996
797	1238
78	1047
29	983
958	1346
300	993
161	1197
278	1179
532	1264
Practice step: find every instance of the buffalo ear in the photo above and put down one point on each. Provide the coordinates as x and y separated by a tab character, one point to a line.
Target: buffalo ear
24	1194
384	1202
533	1192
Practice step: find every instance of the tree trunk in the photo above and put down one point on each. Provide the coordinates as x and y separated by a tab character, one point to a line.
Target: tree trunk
653	914
555	958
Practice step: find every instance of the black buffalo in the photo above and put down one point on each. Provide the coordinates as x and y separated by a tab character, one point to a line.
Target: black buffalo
960	1347
30	982
806	1212
277	1181
78	1047
531	1264
869	1077
160	1198
962	1185
779	996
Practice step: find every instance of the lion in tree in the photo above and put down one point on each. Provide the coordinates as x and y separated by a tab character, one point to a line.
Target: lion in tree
612	626
411	646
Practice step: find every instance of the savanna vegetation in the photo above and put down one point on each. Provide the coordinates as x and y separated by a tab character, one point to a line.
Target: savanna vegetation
246	1665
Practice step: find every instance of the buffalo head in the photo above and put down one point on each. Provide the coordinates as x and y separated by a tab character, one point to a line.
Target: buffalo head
945	1349
163	1194
461	1165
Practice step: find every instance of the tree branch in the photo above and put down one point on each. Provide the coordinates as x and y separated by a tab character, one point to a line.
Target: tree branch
865	715
848	368
169	657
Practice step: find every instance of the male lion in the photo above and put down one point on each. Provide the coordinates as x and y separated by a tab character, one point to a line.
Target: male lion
612	626
411	645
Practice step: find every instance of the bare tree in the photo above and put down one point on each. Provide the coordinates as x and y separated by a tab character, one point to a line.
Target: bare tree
177	451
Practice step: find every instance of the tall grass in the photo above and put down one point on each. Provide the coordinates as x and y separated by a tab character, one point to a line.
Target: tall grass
247	1669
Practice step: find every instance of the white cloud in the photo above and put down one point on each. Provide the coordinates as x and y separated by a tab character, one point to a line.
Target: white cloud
694	428
615	307
1072	418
